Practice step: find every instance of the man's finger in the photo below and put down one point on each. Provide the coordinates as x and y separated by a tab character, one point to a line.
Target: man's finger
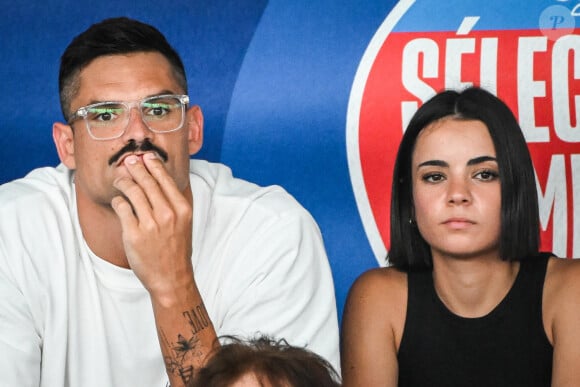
165	181
136	199
124	211
145	193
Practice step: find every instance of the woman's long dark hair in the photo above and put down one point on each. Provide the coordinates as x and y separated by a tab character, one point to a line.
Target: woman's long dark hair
520	225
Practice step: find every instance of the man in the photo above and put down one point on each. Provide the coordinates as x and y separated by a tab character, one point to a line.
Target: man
129	245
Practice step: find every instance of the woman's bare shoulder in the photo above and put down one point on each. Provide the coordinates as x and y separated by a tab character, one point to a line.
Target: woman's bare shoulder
372	327
561	299
380	280
383	289
563	273
561	313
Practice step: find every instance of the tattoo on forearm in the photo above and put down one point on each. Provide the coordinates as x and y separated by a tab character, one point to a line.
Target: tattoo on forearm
179	360
197	318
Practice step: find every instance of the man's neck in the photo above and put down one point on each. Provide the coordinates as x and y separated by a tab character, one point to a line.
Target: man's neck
101	229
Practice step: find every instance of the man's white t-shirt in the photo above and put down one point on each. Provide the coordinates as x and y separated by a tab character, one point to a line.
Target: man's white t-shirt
69	318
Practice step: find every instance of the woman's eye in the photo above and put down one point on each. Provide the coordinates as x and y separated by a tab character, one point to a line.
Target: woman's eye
487	175
433	177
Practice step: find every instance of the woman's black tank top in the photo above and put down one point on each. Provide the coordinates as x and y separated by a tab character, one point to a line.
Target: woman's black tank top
507	347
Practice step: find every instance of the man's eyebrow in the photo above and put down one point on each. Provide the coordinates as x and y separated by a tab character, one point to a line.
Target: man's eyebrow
163	92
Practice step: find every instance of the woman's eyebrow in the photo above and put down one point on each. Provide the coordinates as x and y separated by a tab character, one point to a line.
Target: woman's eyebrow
436	163
481	159
441	163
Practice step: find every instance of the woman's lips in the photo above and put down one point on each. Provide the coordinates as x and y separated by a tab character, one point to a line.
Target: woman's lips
458	223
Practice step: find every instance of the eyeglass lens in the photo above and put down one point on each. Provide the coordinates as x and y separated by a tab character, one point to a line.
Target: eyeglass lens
110	119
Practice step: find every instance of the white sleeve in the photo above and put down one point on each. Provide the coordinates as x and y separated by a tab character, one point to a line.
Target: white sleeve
20	343
281	285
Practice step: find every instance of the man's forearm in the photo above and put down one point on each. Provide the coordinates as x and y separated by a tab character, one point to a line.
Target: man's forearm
186	335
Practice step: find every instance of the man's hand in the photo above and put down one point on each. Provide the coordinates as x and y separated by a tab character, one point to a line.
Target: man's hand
156	219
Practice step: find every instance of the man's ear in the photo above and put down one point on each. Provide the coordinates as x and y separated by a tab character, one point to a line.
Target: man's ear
194	126
63	137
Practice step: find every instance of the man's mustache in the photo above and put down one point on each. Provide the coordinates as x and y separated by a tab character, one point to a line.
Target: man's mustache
133	147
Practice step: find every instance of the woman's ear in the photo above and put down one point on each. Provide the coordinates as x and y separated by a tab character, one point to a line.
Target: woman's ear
63	137
194	125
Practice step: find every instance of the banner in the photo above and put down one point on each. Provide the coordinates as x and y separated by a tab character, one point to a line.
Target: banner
315	96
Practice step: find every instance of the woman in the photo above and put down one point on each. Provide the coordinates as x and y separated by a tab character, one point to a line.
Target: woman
469	300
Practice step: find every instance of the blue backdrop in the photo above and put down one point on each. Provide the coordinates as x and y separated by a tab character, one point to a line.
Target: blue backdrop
273	78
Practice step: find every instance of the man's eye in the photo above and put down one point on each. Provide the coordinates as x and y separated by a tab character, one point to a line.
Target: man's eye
103	114
157	109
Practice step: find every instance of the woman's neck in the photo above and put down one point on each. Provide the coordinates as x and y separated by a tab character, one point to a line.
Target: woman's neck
473	287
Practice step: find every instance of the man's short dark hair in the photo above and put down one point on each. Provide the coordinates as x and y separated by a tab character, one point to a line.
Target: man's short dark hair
272	361
114	36
520	224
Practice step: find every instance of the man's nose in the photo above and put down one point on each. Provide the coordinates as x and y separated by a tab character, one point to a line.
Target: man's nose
136	129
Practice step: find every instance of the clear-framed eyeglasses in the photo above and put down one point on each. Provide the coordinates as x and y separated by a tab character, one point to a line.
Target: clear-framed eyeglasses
109	120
